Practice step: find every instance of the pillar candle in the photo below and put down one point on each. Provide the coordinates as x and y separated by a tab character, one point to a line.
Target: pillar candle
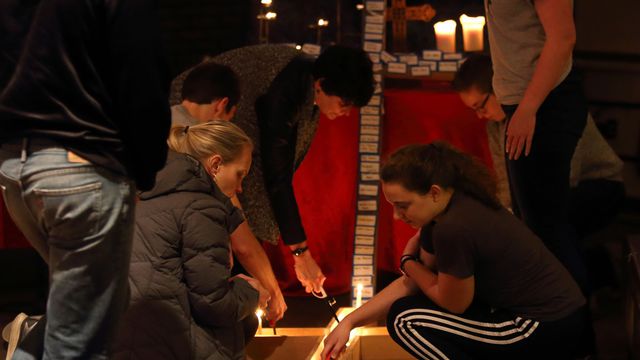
472	32
446	35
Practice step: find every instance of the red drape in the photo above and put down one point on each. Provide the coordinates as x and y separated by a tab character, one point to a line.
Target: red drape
325	183
422	116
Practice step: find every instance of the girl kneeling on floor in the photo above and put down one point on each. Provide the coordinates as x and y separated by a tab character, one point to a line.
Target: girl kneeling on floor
477	283
184	302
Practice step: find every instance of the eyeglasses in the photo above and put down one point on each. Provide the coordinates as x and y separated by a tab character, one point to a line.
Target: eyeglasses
483	104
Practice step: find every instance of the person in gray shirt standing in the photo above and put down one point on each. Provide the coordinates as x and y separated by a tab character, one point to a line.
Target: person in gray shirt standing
531	48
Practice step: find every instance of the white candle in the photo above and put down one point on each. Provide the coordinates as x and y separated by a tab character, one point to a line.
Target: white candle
358	295
446	35
259	314
472	32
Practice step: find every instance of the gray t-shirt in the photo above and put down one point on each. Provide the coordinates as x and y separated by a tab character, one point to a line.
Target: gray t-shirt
513	269
180	116
516	37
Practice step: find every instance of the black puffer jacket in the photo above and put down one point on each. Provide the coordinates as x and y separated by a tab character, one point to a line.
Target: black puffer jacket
183	305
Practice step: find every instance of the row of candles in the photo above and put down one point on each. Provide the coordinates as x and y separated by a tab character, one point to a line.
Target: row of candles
472	34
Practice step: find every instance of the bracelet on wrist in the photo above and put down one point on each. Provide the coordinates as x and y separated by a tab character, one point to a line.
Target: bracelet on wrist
404	259
299	251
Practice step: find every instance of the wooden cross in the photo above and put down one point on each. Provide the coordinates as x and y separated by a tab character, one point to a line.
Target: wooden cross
399	14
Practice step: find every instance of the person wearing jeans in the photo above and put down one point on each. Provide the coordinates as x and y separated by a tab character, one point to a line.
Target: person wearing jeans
80	219
83	117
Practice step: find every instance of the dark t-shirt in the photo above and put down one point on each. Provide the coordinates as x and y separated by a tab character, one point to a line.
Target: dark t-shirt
513	269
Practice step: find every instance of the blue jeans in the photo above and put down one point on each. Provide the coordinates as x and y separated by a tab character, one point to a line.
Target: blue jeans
79	217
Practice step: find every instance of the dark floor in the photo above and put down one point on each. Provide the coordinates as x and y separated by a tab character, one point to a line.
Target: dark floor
605	250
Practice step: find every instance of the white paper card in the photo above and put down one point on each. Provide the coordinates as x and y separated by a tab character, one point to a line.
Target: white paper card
374	158
451	56
363	270
371	130
365	230
364	240
372	36
377	29
370	110
369	190
386	57
367	205
375	5
364	250
397	68
369	138
432	54
433	65
364	280
374	19
370	119
370	167
368	148
370	177
410	59
370	46
369	220
363	260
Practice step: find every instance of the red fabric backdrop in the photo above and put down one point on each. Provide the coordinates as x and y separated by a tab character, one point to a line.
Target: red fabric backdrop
325	183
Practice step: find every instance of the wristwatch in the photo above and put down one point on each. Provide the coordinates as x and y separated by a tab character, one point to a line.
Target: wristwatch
299	251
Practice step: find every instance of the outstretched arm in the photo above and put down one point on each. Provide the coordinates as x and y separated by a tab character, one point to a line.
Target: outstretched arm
374	309
253	258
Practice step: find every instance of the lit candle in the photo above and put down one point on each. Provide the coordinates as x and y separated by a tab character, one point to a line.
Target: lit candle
446	35
259	314
358	295
472	32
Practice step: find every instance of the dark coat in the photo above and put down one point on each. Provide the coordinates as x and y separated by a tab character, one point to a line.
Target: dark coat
183	305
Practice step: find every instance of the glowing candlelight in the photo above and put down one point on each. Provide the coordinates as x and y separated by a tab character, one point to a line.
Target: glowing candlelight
259	314
358	295
446	35
265	2
472	32
323	22
270	15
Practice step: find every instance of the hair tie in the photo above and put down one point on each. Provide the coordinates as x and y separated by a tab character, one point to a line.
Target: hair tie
186	128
